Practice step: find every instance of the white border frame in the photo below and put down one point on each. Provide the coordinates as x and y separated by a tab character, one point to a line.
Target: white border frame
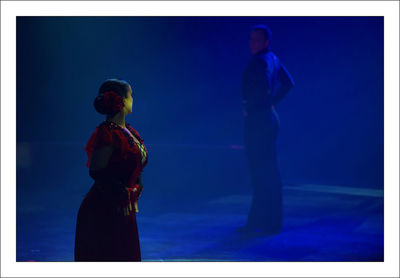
9	11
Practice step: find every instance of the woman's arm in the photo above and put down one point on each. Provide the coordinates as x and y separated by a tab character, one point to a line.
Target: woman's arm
98	171
100	158
98	165
140	183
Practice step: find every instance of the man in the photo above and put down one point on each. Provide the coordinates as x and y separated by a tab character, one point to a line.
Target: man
265	83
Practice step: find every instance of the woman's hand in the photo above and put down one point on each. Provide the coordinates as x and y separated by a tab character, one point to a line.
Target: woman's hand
137	191
126	207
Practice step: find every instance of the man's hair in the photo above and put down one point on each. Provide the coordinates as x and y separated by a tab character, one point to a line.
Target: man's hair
264	30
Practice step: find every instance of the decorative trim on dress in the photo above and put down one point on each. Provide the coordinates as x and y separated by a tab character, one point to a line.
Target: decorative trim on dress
131	142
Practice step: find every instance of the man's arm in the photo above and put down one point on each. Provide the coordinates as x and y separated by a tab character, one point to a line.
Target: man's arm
286	84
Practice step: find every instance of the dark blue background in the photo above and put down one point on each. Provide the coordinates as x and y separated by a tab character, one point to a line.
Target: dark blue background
186	75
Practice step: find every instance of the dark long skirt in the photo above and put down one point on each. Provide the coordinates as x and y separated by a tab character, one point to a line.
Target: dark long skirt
103	233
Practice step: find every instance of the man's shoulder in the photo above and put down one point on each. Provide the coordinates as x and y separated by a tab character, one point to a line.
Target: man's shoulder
263	61
258	60
271	56
265	57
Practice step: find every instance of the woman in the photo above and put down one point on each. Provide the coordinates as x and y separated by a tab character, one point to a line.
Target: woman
106	228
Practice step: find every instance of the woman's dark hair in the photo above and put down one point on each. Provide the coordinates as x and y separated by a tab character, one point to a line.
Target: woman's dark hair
264	30
120	87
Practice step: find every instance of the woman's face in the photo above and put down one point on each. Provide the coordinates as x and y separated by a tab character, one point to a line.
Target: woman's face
128	101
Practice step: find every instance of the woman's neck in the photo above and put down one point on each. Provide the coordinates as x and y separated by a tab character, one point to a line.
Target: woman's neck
118	118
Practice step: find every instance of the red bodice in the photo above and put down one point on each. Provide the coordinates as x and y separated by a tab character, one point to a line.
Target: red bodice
128	159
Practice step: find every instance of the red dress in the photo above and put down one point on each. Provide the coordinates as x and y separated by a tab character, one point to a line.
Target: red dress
103	232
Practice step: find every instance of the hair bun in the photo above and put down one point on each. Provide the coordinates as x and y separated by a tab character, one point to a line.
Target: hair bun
110	98
109	103
99	104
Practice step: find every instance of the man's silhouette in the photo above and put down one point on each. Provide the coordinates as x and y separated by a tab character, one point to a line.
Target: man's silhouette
265	83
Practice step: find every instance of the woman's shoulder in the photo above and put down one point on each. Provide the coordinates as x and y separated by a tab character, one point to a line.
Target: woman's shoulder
107	133
106	125
109	127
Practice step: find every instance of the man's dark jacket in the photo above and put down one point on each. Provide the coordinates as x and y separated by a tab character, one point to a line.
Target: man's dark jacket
265	82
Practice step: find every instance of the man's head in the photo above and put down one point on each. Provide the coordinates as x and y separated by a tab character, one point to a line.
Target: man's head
260	37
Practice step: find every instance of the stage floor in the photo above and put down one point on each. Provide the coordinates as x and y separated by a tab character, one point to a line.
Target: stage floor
321	223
